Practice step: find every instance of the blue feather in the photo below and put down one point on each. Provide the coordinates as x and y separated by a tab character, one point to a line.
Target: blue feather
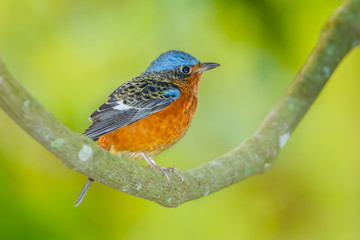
170	60
173	92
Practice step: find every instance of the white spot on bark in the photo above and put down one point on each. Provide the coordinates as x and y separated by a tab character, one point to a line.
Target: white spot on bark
121	106
267	165
247	171
85	153
216	163
326	71
291	102
168	200
283	139
57	143
26	103
138	187
206	193
291	105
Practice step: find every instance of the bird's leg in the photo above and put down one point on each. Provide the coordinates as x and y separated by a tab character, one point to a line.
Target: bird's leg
164	170
152	164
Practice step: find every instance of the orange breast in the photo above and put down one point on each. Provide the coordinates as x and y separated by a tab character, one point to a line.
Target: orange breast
156	132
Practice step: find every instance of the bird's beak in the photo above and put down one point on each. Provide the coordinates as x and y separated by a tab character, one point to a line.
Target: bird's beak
207	66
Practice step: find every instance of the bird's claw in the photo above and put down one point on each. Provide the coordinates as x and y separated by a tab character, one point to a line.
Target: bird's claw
176	172
163	170
166	170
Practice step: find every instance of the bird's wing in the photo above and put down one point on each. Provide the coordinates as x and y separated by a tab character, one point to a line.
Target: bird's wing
129	103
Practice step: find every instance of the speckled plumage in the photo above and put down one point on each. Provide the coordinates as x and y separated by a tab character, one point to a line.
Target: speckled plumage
158	131
145	94
151	112
148	93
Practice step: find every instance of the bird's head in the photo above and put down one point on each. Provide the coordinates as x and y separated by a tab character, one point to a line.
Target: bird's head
179	65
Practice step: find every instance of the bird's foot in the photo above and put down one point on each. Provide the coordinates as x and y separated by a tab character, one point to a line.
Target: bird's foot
163	170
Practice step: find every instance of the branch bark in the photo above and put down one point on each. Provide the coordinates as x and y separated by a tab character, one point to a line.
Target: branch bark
340	34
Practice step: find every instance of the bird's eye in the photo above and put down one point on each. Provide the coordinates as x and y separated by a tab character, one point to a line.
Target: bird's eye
185	69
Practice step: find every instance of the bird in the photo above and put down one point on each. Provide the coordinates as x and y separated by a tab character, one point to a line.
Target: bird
149	113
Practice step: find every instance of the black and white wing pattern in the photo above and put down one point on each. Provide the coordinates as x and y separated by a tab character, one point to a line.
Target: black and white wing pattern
131	102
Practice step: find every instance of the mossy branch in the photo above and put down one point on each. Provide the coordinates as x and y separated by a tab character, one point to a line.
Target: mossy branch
340	34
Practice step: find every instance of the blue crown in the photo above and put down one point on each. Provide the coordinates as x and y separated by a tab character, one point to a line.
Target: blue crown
170	60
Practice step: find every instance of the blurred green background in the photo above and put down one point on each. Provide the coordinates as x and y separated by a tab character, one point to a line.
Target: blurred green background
70	54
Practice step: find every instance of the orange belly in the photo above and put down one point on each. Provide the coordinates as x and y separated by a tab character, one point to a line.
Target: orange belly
154	133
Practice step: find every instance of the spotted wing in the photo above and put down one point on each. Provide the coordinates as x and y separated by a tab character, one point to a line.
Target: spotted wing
129	103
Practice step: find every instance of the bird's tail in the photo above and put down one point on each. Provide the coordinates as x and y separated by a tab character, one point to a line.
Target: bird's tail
83	191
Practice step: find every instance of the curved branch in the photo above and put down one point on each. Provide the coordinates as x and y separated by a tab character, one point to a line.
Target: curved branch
340	34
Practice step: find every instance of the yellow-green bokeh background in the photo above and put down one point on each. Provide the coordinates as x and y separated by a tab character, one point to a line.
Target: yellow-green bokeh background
71	54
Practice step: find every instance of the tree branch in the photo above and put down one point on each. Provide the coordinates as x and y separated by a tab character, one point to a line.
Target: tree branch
340	34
